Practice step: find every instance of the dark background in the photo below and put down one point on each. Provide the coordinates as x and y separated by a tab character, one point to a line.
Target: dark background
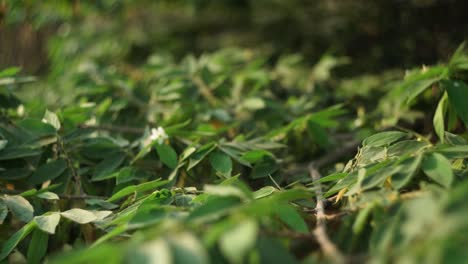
376	35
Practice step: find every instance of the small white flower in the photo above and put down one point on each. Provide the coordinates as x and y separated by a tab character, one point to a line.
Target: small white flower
159	135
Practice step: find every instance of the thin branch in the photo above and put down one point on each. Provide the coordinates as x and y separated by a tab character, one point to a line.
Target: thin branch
205	91
320	232
337	154
66	155
328	158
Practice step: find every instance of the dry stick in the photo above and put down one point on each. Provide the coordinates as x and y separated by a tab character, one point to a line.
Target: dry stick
320	232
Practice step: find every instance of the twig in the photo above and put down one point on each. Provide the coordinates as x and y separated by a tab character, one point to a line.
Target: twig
119	129
328	158
332	216
337	154
76	177
320	232
205	91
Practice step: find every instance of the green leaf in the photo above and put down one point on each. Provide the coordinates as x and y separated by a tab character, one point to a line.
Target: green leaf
406	171
273	251
254	156
200	154
361	219
237	242
220	190
37	247
383	138
10	71
417	87
253	103
13	174
438	168
319	134
406	147
289	215
264	168
151	185
13	241
187	249
20	152
3	211
36	127
438	121
156	251
332	177
187	153
52	119
457	93
48	171
222	163
79	216
48	222
107	168
264	192
454	152
126	174
167	155
3	143
20	207
48	196
214	207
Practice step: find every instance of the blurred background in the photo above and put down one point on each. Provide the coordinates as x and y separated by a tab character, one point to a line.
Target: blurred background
39	36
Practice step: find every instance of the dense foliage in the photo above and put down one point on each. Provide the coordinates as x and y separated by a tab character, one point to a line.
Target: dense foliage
230	156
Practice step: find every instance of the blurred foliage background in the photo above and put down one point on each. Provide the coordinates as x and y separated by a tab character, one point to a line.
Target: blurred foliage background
249	93
375	35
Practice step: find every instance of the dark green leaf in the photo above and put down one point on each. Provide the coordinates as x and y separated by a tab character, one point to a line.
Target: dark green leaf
20	152
187	249
214	207
237	242
198	156
48	171
457	93
147	186
107	168
20	207
167	155
222	163
3	211
289	215
438	168
254	156
383	138
37	246
13	241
